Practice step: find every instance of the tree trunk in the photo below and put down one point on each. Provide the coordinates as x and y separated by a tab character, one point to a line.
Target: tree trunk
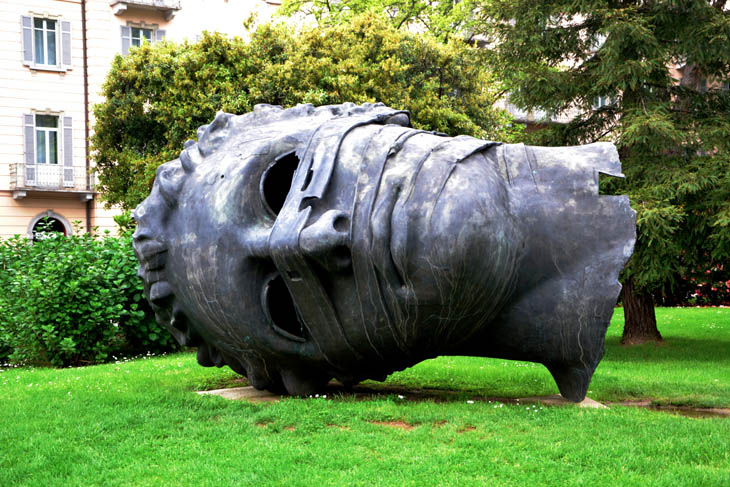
639	317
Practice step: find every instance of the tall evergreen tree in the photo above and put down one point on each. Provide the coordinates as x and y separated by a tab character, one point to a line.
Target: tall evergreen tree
673	136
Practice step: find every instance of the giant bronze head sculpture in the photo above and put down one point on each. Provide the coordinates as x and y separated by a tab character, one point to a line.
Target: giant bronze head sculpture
306	244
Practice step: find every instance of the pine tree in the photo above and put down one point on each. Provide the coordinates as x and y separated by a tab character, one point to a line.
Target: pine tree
659	69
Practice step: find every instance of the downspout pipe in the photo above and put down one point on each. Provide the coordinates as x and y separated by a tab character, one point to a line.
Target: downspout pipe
89	202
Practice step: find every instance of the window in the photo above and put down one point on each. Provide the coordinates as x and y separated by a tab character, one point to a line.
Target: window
48	151
44	223
601	102
46	137
47	225
136	35
140	35
46	43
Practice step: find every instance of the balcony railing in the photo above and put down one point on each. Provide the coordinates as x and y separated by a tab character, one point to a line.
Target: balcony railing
49	177
167	7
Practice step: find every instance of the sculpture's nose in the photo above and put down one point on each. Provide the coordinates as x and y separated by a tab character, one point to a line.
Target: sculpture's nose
326	240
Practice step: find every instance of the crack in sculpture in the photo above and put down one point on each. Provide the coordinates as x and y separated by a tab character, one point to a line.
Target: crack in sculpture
305	244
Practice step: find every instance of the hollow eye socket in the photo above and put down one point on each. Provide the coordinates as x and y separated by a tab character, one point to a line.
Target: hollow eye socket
277	181
279	308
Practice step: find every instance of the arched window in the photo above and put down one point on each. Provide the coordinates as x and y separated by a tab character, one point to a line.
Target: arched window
48	221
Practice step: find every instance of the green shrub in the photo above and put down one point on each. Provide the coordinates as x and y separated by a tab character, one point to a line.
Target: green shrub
73	301
158	95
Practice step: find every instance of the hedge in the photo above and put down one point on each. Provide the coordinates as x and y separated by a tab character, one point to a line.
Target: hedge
73	300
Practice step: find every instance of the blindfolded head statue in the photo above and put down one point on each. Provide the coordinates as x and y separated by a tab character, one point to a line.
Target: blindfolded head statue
306	244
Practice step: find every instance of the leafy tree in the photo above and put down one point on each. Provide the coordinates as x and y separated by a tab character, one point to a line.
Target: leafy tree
442	19
673	137
158	95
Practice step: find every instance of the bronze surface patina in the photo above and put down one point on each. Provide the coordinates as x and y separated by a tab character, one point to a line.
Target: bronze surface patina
306	244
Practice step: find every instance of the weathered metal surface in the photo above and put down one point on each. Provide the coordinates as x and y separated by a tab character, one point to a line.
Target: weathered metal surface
305	244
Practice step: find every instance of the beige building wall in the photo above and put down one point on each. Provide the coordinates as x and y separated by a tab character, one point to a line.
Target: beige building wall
27	90
30	89
105	19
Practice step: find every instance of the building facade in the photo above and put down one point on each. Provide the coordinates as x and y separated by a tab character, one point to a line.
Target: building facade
55	55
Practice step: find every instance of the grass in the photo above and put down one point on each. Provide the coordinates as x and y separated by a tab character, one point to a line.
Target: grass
139	423
692	366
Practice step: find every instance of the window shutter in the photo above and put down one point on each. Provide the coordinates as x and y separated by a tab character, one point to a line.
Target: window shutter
126	39
27	28
29	130
66	44
160	35
68	157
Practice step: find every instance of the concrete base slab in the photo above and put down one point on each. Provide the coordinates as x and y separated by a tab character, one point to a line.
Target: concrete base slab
247	393
558	400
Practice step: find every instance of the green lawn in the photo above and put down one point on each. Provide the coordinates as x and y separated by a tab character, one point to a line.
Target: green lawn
139	423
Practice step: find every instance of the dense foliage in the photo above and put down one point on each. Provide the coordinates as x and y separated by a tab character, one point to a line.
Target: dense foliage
442	19
158	95
73	300
673	137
